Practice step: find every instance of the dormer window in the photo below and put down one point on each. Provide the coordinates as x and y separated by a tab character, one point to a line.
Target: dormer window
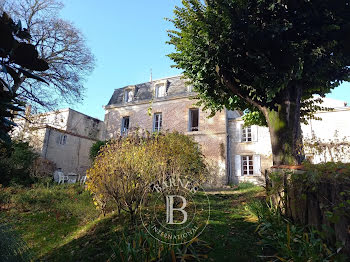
128	95
160	90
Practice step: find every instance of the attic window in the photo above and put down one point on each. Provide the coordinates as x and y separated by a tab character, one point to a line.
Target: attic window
128	95
160	90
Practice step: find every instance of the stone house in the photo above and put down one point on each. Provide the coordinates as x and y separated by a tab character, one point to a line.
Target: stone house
235	153
168	104
63	137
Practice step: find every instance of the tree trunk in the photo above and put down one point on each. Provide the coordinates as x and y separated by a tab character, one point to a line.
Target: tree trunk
285	130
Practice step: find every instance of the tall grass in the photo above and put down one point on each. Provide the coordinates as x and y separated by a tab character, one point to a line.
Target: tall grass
286	241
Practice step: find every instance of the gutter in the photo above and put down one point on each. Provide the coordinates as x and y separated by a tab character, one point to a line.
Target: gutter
228	151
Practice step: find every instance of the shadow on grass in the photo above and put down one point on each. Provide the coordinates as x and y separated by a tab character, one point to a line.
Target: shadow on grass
94	244
230	232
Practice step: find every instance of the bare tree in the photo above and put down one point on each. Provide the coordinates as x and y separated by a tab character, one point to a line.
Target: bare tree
59	43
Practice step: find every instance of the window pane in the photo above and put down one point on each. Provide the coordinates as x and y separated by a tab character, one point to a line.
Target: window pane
194	119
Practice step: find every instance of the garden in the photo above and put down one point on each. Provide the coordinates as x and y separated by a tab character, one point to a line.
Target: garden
101	221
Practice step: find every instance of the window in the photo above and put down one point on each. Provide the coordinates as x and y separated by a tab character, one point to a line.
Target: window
160	90
247	165
63	139
190	88
157	122
194	119
128	95
125	126
247	134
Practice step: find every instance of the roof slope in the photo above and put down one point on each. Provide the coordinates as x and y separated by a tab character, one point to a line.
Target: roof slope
175	86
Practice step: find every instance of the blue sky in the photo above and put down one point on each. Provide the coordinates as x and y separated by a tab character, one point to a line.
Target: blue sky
128	39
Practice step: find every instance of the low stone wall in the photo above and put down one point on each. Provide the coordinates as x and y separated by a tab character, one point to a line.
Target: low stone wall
322	201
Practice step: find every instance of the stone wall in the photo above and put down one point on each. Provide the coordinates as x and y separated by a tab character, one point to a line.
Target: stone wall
85	125
71	156
175	117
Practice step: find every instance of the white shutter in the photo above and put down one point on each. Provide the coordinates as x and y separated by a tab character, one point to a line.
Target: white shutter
257	165
254	133
238	165
238	133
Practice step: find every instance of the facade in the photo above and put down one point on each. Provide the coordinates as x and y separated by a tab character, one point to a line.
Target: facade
63	137
234	152
168	104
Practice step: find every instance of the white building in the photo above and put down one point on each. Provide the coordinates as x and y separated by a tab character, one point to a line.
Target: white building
63	137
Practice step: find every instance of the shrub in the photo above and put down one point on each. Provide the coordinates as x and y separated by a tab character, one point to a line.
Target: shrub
127	166
287	241
95	148
16	160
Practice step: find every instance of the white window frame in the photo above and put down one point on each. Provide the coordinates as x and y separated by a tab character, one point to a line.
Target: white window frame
160	90
247	134
124	131
248	162
190	127
157	123
126	96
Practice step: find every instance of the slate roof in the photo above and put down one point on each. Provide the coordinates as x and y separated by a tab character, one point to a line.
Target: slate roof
144	92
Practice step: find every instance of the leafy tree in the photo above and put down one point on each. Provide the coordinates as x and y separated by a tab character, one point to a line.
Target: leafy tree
60	44
265	56
18	59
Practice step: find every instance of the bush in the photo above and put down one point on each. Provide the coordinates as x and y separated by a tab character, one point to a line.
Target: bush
95	148
16	160
127	166
287	241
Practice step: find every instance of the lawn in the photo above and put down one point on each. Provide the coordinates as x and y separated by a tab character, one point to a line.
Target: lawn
60	223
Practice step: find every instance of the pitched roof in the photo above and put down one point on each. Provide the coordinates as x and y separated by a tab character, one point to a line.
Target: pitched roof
175	86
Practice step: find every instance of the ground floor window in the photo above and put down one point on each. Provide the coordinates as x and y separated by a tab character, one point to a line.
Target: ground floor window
247	165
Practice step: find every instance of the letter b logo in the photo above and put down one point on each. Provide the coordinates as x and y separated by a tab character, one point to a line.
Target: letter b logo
170	209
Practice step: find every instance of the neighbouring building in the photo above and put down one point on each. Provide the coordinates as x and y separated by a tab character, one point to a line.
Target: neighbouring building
235	153
63	137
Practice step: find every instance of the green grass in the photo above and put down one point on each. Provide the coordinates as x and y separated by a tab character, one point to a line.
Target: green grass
60	223
47	216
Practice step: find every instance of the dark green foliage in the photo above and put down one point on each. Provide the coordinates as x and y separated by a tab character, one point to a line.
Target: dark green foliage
12	247
268	56
285	241
95	148
15	55
16	161
260	48
140	246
